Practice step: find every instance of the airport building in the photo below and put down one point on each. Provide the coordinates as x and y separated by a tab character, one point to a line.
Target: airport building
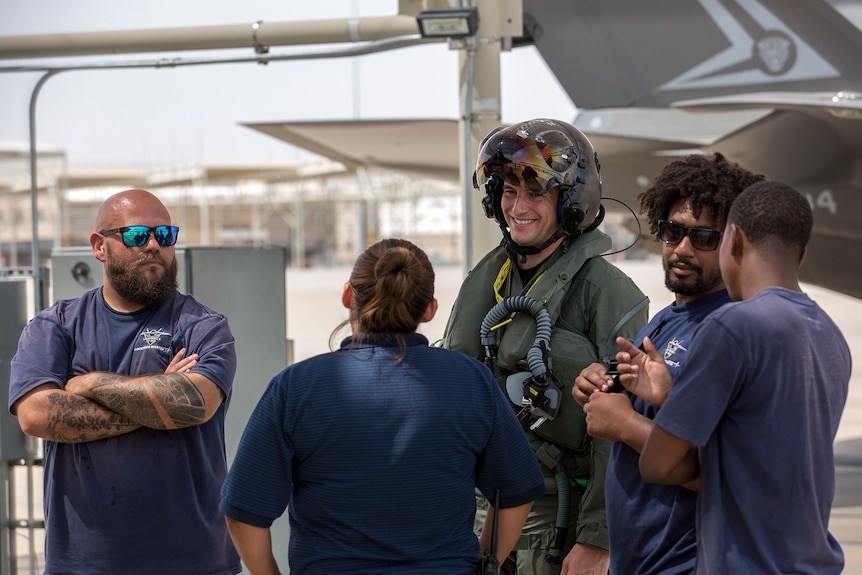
242	227
319	211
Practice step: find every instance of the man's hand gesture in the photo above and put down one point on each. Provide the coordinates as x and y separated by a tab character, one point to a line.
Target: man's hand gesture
643	371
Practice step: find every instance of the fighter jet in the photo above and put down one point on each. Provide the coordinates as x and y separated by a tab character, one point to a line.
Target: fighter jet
771	84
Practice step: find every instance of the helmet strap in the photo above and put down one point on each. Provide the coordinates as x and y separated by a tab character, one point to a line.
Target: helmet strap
524	251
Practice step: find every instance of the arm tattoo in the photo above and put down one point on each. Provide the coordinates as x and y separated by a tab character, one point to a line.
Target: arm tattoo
162	401
74	419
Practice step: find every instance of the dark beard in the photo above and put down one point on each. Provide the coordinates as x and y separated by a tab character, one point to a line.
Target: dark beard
698	288
137	288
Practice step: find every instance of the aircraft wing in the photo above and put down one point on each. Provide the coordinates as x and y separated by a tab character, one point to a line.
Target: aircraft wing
808	141
812	141
776	86
634	144
429	147
425	148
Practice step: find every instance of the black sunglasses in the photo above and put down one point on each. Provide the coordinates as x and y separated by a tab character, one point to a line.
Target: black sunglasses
138	236
704	239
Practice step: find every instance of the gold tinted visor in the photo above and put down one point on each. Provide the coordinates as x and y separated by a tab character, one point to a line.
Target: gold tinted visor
519	162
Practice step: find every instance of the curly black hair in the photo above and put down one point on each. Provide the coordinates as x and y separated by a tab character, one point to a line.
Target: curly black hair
708	182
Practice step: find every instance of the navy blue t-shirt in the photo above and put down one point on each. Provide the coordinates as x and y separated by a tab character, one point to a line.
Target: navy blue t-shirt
379	459
762	395
652	526
144	502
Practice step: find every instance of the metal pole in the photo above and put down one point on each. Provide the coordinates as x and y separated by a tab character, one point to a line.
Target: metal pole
31	516
7	503
357	50
480	82
34	188
467	159
258	35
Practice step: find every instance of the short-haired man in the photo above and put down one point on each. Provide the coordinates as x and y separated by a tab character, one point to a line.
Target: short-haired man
754	412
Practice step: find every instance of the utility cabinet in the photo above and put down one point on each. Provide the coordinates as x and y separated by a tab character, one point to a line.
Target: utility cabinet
16	295
246	284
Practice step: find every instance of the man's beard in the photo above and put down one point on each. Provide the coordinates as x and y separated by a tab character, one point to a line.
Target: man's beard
699	286
139	288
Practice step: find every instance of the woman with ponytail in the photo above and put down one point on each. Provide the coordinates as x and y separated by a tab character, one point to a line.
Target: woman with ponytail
377	448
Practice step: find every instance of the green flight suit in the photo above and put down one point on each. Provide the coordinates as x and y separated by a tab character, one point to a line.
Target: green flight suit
590	302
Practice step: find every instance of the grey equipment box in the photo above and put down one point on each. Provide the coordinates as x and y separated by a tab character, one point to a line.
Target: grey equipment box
16	293
246	284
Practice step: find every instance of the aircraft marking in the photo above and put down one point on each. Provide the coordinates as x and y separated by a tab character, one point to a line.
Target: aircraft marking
767	52
824	200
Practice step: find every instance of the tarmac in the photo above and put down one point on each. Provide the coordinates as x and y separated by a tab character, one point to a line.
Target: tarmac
314	310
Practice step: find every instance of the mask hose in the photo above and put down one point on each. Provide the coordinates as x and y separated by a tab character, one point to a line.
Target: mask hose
542	343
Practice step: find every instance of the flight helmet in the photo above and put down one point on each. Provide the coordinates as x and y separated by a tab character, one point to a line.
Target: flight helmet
539	155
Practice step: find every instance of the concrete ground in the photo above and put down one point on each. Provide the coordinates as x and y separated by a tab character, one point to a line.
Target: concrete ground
314	310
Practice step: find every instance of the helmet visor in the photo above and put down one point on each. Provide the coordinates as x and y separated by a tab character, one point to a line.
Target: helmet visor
520	162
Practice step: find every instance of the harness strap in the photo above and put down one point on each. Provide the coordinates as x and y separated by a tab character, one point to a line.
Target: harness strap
559	283
498	286
626	317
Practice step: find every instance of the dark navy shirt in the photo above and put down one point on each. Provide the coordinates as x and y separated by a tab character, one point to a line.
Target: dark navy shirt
652	526
144	502
379	460
762	395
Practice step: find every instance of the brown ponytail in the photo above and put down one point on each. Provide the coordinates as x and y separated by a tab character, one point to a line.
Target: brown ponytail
393	283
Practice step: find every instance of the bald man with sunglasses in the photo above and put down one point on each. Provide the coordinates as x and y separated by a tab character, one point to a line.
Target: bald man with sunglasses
129	385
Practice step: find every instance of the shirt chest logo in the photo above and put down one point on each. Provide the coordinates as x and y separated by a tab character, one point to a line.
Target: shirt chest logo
152	336
673	346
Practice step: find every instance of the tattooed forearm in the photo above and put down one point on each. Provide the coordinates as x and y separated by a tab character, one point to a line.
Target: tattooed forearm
163	401
74	419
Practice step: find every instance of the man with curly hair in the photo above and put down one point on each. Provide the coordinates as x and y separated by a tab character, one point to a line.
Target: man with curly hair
652	527
754	413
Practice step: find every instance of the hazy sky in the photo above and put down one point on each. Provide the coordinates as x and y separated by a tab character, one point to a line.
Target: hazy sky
193	114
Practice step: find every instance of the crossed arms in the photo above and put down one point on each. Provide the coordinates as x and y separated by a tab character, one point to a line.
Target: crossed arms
99	405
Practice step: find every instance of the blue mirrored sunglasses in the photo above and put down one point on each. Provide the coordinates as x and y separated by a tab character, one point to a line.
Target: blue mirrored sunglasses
138	236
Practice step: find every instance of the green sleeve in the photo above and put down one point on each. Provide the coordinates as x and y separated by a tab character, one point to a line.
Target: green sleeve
619	308
592	525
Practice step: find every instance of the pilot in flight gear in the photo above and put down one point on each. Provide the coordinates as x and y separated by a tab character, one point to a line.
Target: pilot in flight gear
541	184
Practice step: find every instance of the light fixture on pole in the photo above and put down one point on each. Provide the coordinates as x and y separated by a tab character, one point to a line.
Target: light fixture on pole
448	23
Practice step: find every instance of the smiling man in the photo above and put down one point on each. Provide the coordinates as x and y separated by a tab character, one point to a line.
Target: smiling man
541	184
754	412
